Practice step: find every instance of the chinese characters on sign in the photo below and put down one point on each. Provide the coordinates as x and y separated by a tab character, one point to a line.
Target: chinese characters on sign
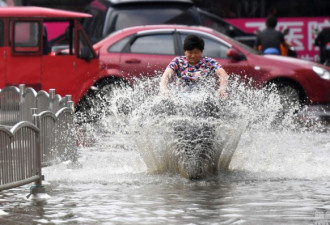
302	32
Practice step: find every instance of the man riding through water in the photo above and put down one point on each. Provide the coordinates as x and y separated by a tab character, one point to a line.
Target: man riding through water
194	134
193	67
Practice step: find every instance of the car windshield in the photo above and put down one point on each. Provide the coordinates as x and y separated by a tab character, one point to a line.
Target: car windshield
123	18
220	25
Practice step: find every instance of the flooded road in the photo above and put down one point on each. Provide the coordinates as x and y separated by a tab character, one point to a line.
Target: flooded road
279	173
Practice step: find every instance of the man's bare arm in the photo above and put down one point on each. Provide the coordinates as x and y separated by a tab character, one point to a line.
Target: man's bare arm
168	73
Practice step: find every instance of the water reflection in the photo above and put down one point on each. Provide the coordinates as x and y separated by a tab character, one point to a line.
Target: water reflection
223	199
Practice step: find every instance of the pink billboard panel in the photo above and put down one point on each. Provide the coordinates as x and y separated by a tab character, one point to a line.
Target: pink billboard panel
302	34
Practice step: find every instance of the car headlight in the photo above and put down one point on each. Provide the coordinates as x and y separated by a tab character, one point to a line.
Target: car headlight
323	73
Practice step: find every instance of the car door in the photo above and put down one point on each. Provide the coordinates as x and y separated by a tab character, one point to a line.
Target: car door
148	54
58	68
217	49
69	72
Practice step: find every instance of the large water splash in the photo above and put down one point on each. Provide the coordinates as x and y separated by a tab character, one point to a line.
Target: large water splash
164	129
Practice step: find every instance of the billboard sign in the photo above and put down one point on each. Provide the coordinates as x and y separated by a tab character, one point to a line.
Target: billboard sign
302	31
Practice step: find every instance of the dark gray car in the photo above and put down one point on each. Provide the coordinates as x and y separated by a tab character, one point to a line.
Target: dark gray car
113	15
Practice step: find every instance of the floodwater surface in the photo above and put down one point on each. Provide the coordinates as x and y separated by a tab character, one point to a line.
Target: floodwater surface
278	172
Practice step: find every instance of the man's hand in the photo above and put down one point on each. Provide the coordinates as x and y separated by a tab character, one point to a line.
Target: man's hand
163	82
164	91
222	93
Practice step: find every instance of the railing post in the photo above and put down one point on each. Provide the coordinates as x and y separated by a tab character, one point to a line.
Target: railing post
37	188
36	120
71	105
21	101
67	100
34	115
51	99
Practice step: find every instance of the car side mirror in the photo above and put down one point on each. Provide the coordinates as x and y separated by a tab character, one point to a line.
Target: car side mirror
234	54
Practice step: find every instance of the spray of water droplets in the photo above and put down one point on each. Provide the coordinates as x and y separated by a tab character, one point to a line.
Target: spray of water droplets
191	133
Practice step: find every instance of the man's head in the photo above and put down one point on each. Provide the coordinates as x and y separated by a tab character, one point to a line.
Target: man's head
193	41
271	21
193	47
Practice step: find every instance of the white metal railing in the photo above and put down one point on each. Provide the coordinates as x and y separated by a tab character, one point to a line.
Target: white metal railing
20	160
57	136
51	118
16	103
9	105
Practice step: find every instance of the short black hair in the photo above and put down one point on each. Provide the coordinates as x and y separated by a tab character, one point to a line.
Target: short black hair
193	41
271	21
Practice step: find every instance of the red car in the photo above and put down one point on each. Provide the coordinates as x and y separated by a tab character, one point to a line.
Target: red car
144	50
33	53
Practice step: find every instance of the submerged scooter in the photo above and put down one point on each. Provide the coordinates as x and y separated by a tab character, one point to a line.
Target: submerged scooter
204	130
194	119
196	132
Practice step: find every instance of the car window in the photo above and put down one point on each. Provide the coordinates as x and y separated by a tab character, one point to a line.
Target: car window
26	36
60	36
154	44
246	47
212	48
119	45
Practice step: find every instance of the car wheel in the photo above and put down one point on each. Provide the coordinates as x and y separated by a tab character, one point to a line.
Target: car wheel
290	98
290	95
97	102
